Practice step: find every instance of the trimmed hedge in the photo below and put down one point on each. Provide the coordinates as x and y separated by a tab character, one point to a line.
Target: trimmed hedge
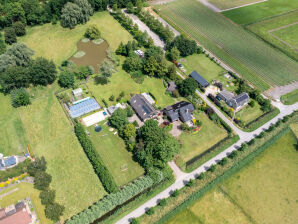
99	167
111	201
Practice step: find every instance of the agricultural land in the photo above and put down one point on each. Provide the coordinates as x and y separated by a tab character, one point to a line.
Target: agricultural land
255	61
227	4
262	192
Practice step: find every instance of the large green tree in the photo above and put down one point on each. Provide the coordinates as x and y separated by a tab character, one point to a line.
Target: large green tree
107	68
86	8
66	79
20	53
71	15
47	197
42	180
188	87
42	71
10	35
119	119
20	97
54	211
14	77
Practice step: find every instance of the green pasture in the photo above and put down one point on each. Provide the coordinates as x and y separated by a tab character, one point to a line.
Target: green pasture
118	160
51	135
203	65
23	191
260	11
121	81
58	43
257	62
290	98
227	4
194	144
263	192
12	134
279	31
212	208
248	113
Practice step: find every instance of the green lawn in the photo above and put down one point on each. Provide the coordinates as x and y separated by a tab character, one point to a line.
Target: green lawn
280	27
58	43
290	98
121	81
24	190
51	135
12	134
248	113
260	11
253	59
118	160
195	144
203	65
226	4
265	191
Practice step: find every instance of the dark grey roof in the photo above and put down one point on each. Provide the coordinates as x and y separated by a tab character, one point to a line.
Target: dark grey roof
199	79
226	94
181	109
20	205
241	97
142	107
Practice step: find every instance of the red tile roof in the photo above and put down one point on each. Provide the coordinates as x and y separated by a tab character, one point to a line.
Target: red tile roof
20	217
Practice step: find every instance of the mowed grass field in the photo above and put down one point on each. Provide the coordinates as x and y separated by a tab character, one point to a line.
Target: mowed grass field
263	192
257	62
260	11
203	65
248	113
227	4
12	133
23	191
58	43
194	144
121	81
118	160
51	135
280	31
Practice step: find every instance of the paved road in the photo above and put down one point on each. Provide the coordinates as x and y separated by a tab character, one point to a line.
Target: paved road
143	27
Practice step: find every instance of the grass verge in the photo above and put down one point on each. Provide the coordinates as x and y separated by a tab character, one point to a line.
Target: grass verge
290	98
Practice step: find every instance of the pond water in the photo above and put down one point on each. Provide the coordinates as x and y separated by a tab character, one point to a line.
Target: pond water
90	54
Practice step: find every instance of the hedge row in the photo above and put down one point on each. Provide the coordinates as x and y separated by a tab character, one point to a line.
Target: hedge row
111	201
14	171
101	170
239	164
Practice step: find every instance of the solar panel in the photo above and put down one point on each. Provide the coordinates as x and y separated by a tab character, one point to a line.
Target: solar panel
10	161
83	108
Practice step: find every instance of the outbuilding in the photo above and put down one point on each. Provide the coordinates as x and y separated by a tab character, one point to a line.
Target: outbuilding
200	80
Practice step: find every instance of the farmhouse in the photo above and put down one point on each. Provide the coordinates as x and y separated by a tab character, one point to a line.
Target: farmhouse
18	213
225	96
181	110
143	106
200	80
239	101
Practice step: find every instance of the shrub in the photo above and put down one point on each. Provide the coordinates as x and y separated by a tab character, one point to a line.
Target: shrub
233	154
223	162
134	221
212	168
251	103
175	193
101	170
129	111
150	211
42	180
201	176
66	79
92	32
10	35
190	183
47	197
19	97
20	28
15	171
54	211
163	202
101	80
112	98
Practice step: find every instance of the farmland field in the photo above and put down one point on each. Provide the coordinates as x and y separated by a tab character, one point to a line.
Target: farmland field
52	136
23	191
263	192
226	4
195	144
12	134
257	62
58	43
118	160
260	11
281	32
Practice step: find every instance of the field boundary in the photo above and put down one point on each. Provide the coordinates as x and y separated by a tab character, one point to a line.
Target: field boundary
241	6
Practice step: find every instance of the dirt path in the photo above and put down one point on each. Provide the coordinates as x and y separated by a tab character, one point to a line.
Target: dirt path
210	6
253	3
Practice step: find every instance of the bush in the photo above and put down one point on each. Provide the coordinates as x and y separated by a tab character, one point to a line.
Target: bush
134	221
233	154
19	97
112	98
251	103
47	197
20	28
92	32
99	167
101	80
163	202
201	176
175	193
66	79
14	171
129	111
223	162
212	168
54	211
150	211
10	35
190	183
42	180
